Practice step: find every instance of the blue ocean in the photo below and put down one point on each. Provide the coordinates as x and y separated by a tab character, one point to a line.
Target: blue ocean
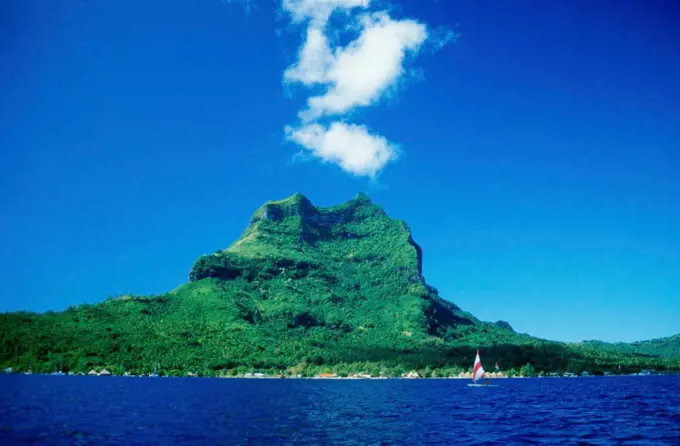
83	410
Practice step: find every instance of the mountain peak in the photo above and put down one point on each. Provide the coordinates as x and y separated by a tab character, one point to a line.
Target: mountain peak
294	230
504	325
297	197
362	198
276	210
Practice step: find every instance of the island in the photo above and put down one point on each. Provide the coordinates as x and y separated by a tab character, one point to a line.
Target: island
305	291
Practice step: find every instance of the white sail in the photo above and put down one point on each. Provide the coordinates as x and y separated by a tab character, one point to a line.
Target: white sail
478	371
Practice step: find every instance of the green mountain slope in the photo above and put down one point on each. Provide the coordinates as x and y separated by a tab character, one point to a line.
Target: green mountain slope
668	347
304	290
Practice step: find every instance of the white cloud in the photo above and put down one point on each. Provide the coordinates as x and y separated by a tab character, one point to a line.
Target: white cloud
350	146
362	71
319	10
356	75
314	61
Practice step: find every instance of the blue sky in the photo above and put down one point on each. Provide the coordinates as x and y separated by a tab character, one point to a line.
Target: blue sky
533	147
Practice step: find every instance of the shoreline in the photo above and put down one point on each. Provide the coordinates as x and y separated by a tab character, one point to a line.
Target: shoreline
352	378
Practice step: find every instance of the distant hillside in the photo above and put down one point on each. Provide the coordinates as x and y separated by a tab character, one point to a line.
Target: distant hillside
668	347
304	289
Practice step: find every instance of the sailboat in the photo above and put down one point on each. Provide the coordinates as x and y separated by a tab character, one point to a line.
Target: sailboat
479	373
155	370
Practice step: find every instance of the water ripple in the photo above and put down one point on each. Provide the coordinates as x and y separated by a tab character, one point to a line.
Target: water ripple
96	410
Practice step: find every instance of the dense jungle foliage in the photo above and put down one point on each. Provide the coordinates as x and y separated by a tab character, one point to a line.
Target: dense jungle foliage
668	347
304	290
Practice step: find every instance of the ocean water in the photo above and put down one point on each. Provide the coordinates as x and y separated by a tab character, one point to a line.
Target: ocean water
80	410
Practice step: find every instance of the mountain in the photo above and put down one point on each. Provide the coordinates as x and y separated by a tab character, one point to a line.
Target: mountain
304	289
668	347
505	325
